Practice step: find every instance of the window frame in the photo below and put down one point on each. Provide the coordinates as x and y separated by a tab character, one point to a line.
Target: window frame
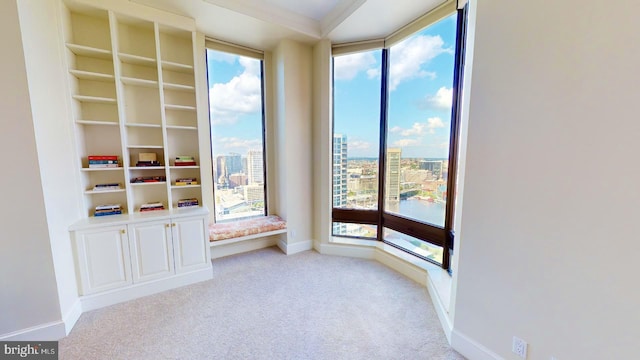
433	234
237	50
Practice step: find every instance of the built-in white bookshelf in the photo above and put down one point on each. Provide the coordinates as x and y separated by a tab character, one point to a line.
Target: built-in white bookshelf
132	84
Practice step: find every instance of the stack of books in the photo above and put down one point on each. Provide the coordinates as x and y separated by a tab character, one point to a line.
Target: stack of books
147	179
151	206
105	187
185	160
186	181
148	159
187	202
102	161
111	209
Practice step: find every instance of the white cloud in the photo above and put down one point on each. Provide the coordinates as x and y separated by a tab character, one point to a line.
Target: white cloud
434	123
241	95
442	99
405	142
221	56
373	73
358	145
346	67
419	129
408	57
234	143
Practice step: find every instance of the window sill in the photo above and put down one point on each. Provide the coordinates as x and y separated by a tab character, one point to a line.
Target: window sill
439	278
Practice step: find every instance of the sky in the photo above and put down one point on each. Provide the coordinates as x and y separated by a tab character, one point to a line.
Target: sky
235	99
420	81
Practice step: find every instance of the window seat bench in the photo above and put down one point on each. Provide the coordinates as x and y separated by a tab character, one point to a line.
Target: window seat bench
236	231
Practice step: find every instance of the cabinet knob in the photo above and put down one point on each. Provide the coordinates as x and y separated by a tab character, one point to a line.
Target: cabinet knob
174	224
123	231
167	225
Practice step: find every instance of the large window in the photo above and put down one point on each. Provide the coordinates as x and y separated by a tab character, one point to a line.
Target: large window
237	135
395	131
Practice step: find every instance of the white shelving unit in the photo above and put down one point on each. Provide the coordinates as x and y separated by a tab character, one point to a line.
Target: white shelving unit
133	91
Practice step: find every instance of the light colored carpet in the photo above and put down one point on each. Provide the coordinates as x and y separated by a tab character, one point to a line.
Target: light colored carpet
266	305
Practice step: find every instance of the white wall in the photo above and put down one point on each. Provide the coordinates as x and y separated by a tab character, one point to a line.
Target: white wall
549	239
54	133
29	293
292	64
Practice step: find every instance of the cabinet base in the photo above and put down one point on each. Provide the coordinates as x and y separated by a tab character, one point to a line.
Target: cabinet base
96	301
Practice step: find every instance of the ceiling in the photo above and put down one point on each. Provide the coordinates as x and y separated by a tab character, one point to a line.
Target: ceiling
261	24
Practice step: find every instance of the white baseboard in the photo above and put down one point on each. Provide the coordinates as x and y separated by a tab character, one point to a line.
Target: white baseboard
295	247
412	272
362	252
470	348
72	316
96	301
441	309
243	246
51	331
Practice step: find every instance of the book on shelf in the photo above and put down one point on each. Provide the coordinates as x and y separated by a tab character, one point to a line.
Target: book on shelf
148	163
186	181
188	202
109	207
148	179
103	162
102	157
185	163
105	213
185	160
104	187
151	206
103	166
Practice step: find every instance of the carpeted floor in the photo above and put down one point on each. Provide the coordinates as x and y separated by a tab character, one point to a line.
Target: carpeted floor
266	305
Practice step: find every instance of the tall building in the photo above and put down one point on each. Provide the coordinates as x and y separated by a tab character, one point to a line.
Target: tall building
221	166
237	179
435	166
234	163
339	178
392	183
255	167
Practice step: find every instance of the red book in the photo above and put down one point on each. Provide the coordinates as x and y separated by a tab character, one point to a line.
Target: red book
102	157
185	163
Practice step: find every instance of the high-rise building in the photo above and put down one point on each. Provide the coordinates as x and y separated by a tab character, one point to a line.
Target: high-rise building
221	166
255	167
234	163
237	179
392	181
339	178
253	193
435	166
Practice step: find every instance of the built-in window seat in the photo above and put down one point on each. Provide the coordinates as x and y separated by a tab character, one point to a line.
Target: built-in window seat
236	231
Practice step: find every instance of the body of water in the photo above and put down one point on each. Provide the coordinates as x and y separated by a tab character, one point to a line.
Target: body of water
431	212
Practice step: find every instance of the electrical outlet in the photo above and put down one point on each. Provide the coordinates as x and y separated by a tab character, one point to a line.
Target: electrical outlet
519	347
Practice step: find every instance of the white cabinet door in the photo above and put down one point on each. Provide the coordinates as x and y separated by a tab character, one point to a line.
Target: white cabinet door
103	259
151	250
190	244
